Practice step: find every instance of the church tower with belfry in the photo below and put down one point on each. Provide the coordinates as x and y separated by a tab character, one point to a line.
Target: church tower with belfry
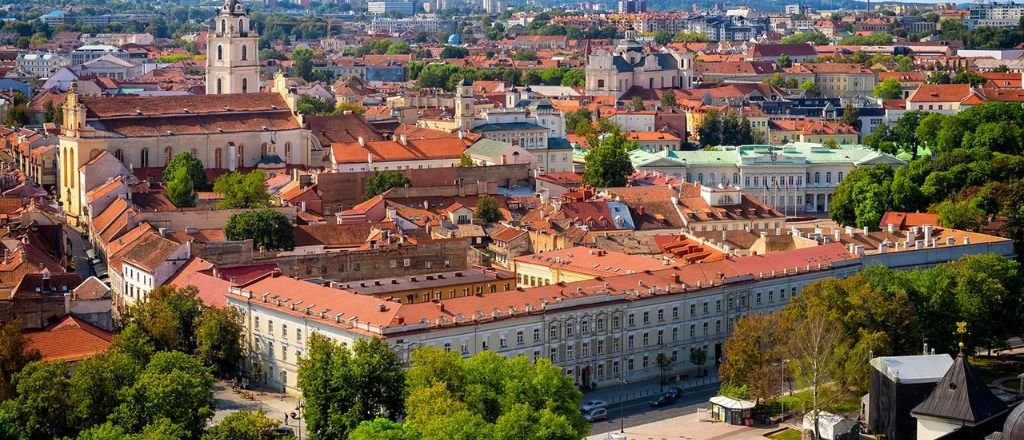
232	61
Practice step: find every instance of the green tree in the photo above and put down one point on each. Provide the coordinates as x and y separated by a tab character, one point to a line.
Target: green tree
888	89
244	425
180	190
862	197
168	317
662	37
487	209
342	388
851	117
753	354
218	339
384	429
668	99
95	387
42	408
637	104
960	215
810	88
453	52
302	59
134	342
193	167
15	354
874	39
349	107
268	229
814	37
690	37
664	363
16	116
574	78
308	105
172	393
381	181
489	396
784	61
576	117
968	77
465	161
608	164
525	55
242	191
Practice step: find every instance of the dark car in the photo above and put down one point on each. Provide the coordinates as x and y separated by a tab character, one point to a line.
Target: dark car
674	393
662	400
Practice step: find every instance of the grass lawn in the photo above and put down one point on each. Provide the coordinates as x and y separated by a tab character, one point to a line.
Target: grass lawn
789	434
802	401
992	369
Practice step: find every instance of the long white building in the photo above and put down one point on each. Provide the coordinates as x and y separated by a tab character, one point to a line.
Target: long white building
797	177
598	330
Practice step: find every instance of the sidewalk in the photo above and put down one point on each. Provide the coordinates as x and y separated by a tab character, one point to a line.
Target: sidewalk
646	388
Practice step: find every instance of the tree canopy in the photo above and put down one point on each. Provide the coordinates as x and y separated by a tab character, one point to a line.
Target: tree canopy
242	190
268	229
343	387
486	396
608	164
716	129
890	88
381	181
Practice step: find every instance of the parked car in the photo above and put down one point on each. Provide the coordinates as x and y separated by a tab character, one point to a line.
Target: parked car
662	400
674	393
596	414
591	405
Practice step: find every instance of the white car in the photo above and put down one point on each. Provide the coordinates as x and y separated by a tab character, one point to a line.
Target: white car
591	405
595	415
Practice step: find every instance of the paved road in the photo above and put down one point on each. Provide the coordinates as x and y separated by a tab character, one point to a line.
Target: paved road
638	411
76	250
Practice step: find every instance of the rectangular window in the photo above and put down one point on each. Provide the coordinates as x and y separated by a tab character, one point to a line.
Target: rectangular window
284	331
629	364
615	322
757	298
632	322
645	339
569	329
661	315
464	348
629	342
647	317
661	337
447	347
600	347
675	312
718	305
536	334
569	353
615	368
675	334
646	362
600	324
553	354
705	307
693	330
519	337
553	333
693	310
298	335
270	327
718	326
771	296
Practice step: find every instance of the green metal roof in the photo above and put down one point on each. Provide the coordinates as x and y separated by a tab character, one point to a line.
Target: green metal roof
506	126
488	148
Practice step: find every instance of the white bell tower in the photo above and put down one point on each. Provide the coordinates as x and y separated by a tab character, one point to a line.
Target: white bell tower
232	61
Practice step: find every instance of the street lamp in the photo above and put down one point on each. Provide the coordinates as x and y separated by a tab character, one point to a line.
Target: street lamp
622	408
299	408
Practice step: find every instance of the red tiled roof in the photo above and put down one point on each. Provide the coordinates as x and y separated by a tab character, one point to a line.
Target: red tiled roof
594	262
70	339
940	93
149	106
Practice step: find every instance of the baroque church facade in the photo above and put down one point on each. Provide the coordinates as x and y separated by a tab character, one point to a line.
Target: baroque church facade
232	127
631	64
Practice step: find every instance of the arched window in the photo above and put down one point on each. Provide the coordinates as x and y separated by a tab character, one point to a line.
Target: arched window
245	85
223	26
245	53
240	30
219	86
817	177
216	159
735	178
220	52
168	154
711	178
700	178
74	165
144	158
288	152
828	177
119	155
839	177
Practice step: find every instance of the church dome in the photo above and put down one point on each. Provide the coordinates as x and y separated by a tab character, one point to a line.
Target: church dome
1013	429
454	40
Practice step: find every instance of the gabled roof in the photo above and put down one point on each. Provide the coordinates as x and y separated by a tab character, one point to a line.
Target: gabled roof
70	339
940	93
961	396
